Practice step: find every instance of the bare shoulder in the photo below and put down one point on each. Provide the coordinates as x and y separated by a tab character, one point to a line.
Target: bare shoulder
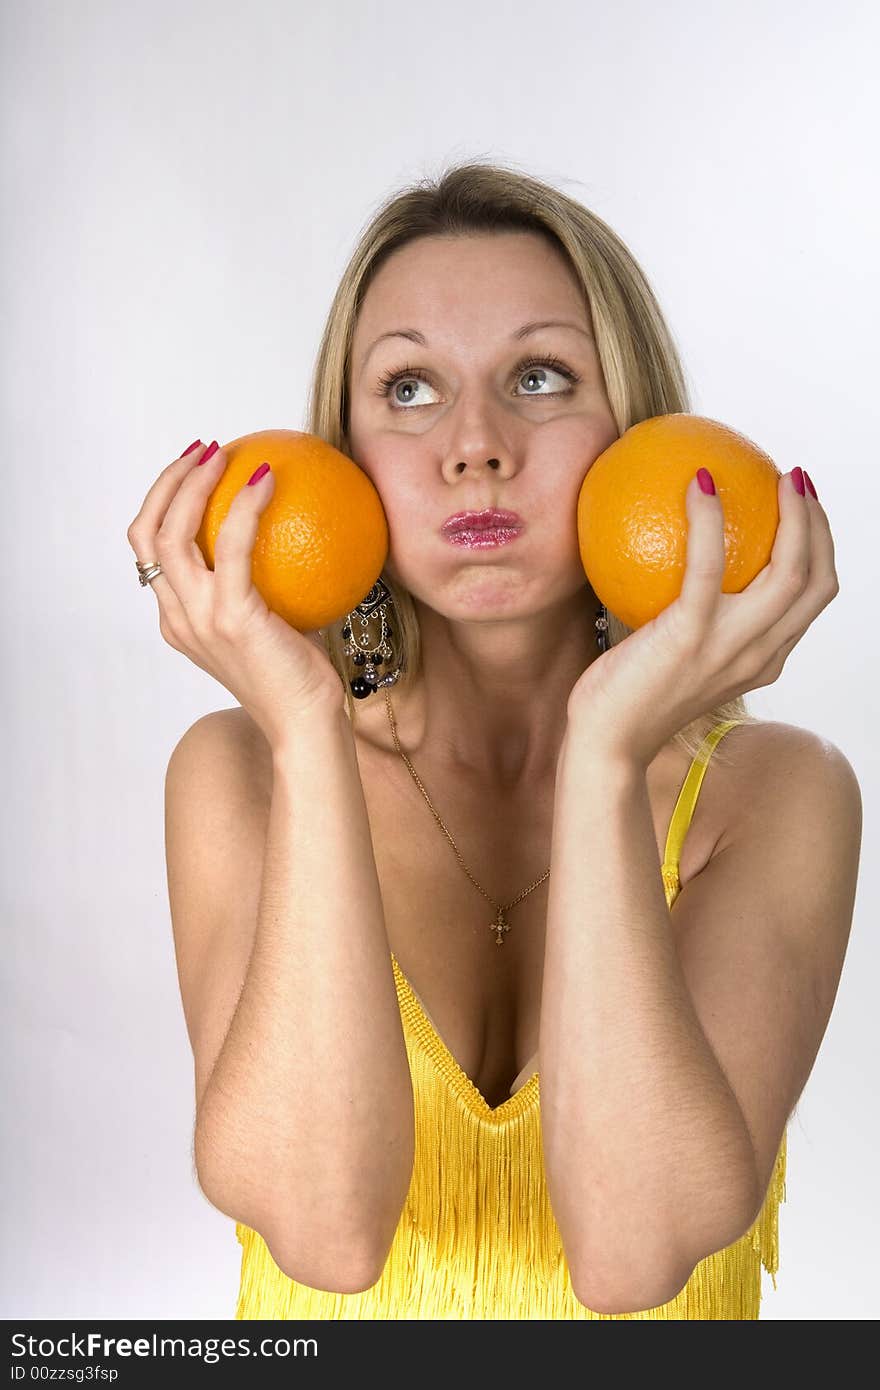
240	748
777	749
772	764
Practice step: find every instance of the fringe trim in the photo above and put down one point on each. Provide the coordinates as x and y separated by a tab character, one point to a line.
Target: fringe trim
477	1237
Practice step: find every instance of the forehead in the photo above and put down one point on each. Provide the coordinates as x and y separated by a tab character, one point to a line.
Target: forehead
490	277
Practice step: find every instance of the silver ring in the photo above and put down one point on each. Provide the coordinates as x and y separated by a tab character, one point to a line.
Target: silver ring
148	570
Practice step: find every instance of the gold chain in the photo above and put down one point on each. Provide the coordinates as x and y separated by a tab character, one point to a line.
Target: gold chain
500	925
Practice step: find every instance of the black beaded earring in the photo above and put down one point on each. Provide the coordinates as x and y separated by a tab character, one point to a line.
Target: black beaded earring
363	646
368	651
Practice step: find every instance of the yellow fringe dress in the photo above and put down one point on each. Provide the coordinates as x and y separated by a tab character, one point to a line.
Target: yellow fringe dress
477	1238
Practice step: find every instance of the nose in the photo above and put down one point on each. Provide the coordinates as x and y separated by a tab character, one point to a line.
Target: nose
490	463
477	442
477	449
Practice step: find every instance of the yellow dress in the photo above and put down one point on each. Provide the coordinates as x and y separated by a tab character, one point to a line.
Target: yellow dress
477	1238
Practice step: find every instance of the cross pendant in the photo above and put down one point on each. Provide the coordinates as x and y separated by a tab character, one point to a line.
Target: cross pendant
499	925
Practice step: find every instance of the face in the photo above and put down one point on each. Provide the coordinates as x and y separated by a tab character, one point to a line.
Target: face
477	416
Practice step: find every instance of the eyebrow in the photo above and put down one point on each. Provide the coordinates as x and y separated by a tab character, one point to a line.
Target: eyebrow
414	336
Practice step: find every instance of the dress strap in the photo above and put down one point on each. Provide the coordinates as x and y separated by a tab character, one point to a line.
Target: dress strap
687	800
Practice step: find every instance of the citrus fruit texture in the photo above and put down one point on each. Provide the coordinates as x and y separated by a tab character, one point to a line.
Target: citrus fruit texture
322	539
632	520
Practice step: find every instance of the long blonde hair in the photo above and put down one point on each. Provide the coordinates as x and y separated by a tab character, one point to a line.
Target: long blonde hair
642	370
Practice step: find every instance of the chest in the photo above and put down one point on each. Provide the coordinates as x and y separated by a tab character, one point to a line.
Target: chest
482	999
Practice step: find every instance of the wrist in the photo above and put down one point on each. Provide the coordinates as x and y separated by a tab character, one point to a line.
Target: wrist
587	746
305	728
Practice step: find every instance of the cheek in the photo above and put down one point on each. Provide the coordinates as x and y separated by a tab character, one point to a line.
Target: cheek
562	454
572	446
393	469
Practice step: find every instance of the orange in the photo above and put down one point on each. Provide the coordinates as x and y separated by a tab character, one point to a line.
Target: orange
632	520
322	538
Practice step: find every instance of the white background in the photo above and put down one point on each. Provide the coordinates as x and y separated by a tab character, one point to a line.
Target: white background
182	186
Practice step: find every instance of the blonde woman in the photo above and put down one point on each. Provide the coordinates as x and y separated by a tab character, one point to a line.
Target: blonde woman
503	981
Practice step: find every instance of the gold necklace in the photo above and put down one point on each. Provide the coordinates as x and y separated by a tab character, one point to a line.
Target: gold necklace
500	925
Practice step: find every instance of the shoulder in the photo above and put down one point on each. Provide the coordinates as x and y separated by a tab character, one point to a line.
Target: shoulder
226	744
775	751
774	769
223	729
784	773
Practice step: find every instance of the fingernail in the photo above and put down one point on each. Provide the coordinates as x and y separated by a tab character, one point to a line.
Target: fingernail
195	444
809	482
797	477
260	473
704	478
209	453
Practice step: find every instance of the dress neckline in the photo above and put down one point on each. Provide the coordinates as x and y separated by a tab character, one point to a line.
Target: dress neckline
447	1065
528	1094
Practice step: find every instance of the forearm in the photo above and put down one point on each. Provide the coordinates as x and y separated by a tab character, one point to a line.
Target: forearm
648	1154
308	1115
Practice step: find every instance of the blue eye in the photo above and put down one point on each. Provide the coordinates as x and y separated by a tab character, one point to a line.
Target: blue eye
528	364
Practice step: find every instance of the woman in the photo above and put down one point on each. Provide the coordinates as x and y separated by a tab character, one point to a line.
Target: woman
404	1120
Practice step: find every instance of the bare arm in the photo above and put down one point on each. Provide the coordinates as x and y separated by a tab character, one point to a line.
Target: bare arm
674	1046
304	1109
649	1159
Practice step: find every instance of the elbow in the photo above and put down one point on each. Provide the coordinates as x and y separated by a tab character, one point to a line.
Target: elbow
639	1294
345	1255
345	1258
347	1268
334	1263
651	1278
629	1281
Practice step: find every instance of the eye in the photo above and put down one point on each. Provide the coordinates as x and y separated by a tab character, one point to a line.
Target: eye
536	368
407	376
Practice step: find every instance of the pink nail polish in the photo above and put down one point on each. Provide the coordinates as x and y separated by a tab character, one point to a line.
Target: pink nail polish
192	446
209	453
260	473
704	478
809	482
797	477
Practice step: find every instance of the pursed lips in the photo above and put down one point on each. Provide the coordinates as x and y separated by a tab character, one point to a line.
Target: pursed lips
489	519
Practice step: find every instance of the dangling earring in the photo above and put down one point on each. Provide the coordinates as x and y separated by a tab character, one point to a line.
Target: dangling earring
364	647
602	636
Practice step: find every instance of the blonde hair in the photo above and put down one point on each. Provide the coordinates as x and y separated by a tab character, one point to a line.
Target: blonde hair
642	371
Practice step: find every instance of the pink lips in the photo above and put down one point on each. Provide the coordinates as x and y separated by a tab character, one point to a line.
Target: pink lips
491	519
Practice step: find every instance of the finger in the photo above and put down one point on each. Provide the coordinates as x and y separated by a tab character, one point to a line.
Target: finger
704	569
234	546
790	556
142	531
181	556
823	568
821	584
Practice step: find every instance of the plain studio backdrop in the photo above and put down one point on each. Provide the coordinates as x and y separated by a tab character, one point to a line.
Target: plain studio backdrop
182	186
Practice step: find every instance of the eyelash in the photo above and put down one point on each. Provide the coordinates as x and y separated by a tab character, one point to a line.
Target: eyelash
391	378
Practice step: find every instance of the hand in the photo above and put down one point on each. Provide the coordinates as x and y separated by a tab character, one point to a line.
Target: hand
708	647
218	618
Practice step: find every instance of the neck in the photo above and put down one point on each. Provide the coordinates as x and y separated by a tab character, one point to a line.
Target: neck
491	698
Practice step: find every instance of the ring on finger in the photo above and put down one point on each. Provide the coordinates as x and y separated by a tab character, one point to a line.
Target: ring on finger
148	570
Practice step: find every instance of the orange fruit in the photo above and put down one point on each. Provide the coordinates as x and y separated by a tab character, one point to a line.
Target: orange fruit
322	539
632	520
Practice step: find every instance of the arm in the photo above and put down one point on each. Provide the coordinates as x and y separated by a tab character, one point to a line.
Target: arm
704	1023
638	1118
304	1124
